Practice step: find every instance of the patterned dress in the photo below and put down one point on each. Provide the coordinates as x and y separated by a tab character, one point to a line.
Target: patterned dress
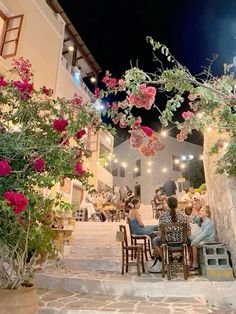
173	234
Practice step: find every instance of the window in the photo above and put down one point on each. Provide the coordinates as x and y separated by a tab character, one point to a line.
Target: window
115	172
92	140
10	28
176	161
122	172
137	191
137	169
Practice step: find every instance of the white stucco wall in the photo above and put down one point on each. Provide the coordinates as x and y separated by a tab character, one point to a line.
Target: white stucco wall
156	178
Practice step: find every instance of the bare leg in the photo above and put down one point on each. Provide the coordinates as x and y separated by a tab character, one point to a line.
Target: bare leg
194	261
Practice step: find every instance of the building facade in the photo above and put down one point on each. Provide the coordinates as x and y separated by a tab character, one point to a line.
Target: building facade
40	31
143	175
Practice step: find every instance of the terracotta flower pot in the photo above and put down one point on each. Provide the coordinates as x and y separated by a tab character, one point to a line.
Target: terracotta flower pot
21	301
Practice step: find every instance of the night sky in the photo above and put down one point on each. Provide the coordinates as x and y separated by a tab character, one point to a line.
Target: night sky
194	30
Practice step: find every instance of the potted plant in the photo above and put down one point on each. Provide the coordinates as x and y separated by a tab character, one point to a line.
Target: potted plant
42	142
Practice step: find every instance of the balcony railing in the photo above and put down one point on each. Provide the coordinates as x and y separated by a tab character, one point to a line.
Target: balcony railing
74	72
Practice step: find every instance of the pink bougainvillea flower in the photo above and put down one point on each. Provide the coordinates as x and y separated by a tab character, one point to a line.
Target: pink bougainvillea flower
155	143
3	83
79	168
47	91
39	164
123	122
76	100
5	168
59	124
146	150
109	81
79	134
192	97
187	114
114	106
180	137
148	131
136	137
17	200
144	98
121	83
115	120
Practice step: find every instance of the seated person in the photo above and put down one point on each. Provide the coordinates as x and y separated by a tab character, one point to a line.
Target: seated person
169	216
205	234
87	202
158	200
136	223
194	226
194	217
193	194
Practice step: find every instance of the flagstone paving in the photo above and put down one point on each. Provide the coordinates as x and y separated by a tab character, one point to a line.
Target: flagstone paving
73	302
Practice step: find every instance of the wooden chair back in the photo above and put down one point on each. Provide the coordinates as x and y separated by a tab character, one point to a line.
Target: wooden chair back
167	231
121	235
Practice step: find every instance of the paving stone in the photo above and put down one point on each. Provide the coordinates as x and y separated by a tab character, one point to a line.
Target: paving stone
181	300
159	310
55	304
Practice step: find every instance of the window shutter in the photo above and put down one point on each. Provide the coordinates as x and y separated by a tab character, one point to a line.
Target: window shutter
11	36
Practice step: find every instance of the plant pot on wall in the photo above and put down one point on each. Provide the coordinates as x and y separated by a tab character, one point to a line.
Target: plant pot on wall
21	301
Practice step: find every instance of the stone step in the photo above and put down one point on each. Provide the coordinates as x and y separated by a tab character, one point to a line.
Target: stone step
93	241
96	251
130	285
55	302
108	263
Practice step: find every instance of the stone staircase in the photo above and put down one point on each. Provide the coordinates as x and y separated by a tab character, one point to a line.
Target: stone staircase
91	282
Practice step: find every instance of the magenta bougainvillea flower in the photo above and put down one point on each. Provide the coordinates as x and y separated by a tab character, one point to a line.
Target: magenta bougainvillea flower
59	124
39	164
79	168
24	87
47	91
79	134
76	100
148	131
3	83
5	168
96	92
23	68
17	200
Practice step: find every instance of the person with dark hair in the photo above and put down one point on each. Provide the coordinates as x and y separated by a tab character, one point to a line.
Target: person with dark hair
136	223
169	187
169	216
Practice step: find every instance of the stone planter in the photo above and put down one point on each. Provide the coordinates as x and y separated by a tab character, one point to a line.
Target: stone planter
21	301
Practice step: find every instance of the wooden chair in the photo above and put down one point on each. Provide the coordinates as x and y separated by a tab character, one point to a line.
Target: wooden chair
145	240
121	236
168	248
114	214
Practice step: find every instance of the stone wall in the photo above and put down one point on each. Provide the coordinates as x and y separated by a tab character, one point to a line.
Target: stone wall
222	198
